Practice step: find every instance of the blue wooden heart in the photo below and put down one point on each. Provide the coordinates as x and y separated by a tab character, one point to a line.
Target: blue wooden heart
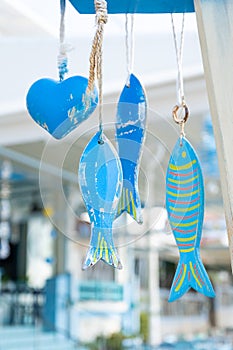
60	106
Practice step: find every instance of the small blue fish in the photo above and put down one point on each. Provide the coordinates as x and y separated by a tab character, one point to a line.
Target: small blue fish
100	181
130	132
185	206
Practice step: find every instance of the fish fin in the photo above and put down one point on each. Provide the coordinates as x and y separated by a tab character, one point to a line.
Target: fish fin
102	250
191	273
130	202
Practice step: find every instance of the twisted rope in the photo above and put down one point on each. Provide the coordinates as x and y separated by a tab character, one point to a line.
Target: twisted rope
96	51
96	59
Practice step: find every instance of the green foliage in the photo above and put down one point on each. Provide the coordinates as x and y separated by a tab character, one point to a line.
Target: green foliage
113	342
144	326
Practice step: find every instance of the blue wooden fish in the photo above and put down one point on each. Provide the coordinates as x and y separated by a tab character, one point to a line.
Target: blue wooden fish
130	133
185	206
100	181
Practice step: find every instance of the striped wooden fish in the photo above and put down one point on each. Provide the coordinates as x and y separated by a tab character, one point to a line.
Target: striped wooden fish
185	207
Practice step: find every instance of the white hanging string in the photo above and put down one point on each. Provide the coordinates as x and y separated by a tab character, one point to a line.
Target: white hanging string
62	20
179	59
180	112
63	48
129	44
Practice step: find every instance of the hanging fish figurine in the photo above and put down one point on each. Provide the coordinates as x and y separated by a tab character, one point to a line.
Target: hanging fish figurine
185	207
100	181
130	134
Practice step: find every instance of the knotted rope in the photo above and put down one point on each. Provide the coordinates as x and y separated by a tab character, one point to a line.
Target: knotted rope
96	60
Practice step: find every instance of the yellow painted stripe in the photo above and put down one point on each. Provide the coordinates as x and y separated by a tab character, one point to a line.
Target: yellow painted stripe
180	182
114	257
182	279
123	199
120	204
106	251
177	224
96	250
101	248
182	167
186	239
119	207
185	209
133	205
182	194
127	200
194	275
186	250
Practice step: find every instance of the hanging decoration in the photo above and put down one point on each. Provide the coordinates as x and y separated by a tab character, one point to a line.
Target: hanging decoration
185	199
96	58
60	106
100	172
130	133
100	181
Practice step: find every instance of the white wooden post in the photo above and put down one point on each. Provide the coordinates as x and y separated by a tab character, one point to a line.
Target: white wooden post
215	25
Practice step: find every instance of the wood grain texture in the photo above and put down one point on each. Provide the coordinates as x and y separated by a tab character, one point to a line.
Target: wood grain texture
215	25
137	6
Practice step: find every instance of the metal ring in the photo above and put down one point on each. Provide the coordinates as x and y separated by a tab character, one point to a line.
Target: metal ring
186	114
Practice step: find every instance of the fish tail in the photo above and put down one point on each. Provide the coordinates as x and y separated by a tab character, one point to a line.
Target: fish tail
191	273
102	248
130	202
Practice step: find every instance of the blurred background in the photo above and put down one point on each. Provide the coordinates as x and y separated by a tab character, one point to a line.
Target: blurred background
47	302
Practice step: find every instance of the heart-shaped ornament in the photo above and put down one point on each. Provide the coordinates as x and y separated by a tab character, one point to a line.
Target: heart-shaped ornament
60	106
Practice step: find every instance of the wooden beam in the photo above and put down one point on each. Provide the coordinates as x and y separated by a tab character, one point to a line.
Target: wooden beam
215	25
137	6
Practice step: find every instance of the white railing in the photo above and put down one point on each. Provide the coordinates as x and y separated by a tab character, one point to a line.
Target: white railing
190	304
